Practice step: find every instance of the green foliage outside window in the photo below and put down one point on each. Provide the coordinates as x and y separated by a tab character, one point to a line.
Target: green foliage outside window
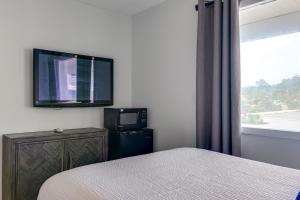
264	97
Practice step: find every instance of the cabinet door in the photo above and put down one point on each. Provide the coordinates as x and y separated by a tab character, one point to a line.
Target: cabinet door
36	162
135	143
85	151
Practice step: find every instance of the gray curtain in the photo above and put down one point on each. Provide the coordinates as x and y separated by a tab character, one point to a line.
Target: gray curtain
218	77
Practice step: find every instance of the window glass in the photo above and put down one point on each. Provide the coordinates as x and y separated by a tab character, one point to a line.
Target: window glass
270	65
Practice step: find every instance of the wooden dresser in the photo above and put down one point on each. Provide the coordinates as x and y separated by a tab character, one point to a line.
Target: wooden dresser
29	159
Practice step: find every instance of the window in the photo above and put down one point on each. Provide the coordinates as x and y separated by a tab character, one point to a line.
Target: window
270	65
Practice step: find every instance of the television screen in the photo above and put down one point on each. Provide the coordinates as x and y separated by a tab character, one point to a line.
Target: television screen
70	80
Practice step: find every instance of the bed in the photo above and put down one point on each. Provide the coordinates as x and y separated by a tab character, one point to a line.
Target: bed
179	174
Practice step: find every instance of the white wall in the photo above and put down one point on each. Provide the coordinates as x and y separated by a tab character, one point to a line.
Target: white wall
280	150
62	25
164	80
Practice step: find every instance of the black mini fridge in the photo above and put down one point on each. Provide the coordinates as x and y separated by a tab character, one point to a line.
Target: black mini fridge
130	143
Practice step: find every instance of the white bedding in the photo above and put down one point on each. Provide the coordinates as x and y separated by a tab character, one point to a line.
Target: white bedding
184	174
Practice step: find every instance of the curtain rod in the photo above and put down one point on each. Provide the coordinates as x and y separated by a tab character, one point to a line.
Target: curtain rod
207	3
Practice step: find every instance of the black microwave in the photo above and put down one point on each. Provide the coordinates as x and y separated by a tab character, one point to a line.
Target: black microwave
120	119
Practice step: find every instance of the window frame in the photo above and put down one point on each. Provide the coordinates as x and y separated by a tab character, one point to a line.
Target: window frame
255	131
281	134
245	3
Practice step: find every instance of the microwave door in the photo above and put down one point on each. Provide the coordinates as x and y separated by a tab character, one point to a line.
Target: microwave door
129	118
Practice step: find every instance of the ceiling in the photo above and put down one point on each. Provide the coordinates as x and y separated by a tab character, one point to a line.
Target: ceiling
268	9
128	7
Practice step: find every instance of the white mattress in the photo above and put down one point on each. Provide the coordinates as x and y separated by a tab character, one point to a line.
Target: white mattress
184	174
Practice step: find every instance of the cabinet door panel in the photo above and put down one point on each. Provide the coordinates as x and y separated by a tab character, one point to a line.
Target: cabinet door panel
84	151
36	162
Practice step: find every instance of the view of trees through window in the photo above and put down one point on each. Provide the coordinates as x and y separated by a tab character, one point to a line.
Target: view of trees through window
271	82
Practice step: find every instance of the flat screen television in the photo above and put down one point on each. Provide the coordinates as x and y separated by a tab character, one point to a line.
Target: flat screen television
71	80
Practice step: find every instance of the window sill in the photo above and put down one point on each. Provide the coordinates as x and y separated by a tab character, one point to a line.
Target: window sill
290	135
